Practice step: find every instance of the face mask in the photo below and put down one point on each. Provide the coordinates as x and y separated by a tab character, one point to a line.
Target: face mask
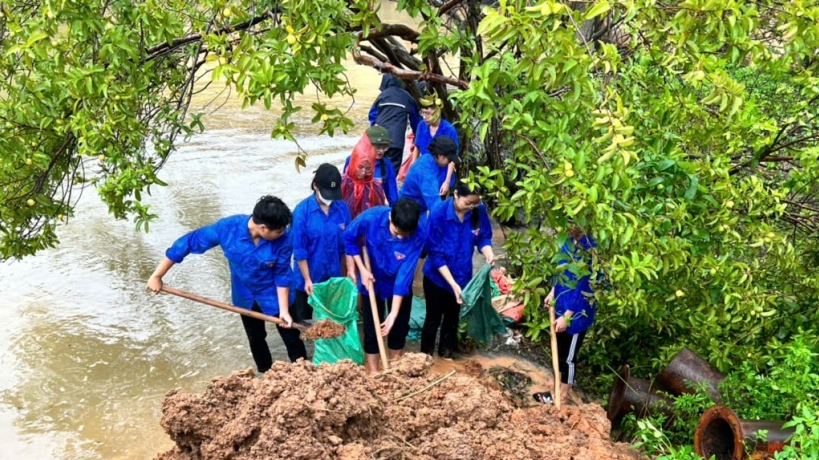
324	200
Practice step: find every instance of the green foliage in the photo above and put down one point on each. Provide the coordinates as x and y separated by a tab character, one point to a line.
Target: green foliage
653	440
685	142
793	379
786	390
96	93
805	440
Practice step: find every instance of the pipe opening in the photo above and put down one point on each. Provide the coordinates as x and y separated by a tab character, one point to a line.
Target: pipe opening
718	440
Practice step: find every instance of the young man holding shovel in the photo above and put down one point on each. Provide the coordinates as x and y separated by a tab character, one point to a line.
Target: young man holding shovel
393	242
258	250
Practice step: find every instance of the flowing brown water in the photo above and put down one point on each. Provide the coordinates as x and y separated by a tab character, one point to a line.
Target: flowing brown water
86	353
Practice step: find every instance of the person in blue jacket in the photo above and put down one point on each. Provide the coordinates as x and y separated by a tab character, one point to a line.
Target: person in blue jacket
394	242
380	139
391	109
575	308
423	181
318	247
258	250
431	126
456	227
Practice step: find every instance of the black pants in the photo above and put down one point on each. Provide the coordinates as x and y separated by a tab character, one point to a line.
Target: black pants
443	311
397	337
567	346
395	155
257	334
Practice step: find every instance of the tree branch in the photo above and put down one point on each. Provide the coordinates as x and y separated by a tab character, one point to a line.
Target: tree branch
406	74
444	9
394	30
166	47
376	54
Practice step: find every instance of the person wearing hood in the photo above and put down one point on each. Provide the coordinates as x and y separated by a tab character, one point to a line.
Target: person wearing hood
391	110
384	172
359	188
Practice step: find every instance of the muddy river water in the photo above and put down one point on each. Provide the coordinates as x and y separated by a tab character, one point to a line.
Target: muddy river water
86	354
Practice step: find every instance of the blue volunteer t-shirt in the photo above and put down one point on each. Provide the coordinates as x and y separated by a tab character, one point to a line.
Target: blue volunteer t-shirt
451	242
393	259
256	270
317	238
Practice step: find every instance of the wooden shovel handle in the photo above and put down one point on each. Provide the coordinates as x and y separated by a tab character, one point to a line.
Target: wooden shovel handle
555	359
382	350
228	307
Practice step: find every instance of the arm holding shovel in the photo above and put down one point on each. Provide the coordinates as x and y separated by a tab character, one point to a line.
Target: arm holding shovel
196	242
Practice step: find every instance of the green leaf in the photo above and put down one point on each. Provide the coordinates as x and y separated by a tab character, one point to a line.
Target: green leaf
692	189
598	9
35	37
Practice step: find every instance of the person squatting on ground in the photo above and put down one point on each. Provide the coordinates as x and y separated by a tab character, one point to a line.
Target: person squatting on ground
394	242
391	109
318	247
258	250
359	189
423	182
575	308
431	126
455	228
384	172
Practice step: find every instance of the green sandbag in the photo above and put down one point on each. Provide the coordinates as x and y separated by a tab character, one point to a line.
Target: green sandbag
482	320
336	299
417	318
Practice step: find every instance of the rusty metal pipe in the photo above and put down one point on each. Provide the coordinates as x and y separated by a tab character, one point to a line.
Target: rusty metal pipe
721	433
686	371
631	394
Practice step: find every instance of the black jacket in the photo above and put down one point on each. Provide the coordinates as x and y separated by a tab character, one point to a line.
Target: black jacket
392	108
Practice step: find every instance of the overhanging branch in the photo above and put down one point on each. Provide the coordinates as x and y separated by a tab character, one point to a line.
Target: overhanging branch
394	30
406	74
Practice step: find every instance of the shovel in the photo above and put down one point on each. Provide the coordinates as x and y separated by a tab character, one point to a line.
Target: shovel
385	362
303	326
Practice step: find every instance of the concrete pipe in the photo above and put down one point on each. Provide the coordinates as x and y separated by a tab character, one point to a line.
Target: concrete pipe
686	371
630	394
721	433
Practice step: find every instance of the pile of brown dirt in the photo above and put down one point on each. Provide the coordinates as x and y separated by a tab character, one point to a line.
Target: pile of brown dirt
302	411
324	329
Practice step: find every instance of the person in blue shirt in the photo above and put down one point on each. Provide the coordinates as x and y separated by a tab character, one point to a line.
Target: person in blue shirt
456	227
258	250
575	308
423	181
431	126
380	139
392	109
394	242
318	247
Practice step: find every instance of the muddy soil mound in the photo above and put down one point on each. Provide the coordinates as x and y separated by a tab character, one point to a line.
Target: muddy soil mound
324	329
337	412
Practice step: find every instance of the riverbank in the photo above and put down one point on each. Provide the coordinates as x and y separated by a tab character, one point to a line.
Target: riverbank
302	411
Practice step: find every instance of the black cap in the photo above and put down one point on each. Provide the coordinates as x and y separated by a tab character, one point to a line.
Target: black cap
328	181
444	145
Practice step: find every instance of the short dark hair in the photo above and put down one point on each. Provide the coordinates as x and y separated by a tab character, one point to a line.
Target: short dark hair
405	215
272	213
575	232
465	189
